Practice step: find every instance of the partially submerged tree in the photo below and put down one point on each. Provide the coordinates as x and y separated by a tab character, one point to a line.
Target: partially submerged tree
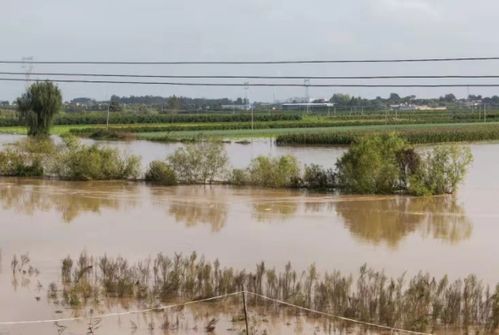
38	106
199	163
387	164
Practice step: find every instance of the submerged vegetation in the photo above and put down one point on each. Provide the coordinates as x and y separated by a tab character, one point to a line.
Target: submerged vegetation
419	303
387	164
69	160
373	165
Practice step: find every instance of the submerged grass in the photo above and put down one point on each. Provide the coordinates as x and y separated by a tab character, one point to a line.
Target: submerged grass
420	302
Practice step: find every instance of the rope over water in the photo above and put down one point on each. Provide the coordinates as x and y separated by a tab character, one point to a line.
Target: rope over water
164	307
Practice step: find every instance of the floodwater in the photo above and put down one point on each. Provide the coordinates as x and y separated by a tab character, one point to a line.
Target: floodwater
50	220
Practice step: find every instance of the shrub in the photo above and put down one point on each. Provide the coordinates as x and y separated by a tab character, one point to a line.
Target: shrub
201	162
239	177
387	164
14	163
274	172
161	173
317	177
80	162
27	158
441	171
371	165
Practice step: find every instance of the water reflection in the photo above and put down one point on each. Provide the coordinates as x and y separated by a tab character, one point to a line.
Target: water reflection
199	205
69	199
267	211
374	220
390	220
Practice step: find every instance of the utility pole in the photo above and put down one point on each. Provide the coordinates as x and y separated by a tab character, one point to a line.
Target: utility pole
246	101
306	82
107	117
245	309
28	67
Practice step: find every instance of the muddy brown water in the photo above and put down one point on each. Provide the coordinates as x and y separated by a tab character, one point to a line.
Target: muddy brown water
242	226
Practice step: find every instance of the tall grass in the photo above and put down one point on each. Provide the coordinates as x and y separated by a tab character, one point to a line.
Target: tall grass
420	302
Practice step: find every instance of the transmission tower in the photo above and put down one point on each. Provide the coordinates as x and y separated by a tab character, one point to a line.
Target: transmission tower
306	82
27	66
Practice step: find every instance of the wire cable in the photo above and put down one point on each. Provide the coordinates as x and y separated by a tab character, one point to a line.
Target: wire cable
211	84
120	75
264	62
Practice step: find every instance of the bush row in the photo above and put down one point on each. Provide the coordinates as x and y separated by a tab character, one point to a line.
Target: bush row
379	164
374	165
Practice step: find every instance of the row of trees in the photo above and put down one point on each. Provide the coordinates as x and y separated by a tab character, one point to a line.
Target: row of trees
345	100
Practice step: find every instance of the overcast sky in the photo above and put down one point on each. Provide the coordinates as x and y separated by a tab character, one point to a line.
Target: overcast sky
162	30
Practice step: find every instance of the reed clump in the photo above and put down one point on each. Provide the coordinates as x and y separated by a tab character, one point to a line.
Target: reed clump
419	303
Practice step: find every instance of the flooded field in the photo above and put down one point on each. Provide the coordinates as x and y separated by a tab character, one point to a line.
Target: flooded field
50	220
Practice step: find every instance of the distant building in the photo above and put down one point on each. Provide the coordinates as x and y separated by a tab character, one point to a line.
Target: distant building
237	107
413	107
305	105
431	108
4	104
403	107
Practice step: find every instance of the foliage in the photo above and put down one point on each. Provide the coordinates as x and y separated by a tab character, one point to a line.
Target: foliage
281	171
371	166
317	177
199	163
75	161
441	171
27	158
387	164
239	177
161	173
38	106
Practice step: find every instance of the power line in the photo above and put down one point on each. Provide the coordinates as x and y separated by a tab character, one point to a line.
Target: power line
264	62
249	84
119	75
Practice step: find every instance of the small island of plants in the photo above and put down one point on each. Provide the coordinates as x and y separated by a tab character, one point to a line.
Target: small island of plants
374	164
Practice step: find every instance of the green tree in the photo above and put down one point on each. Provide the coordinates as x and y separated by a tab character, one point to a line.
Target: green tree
173	104
281	171
38	106
371	165
114	104
441	171
161	173
199	163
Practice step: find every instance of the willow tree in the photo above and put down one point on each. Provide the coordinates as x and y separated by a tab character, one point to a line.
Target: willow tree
38	106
